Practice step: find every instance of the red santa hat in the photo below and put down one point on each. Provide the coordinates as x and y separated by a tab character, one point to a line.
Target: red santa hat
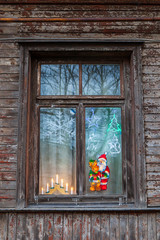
103	156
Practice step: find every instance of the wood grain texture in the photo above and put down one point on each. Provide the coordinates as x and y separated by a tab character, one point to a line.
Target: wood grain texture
158	225
8	158
153	202
114	226
30	225
9	86
48	226
8	139
76	7
123	227
68	227
87	25
91	2
132	225
142	227
12	226
105	226
8	185
86	227
3	226
64	12
96	226
40	226
21	226
77	226
8	176
9	203
152	226
11	77
58	226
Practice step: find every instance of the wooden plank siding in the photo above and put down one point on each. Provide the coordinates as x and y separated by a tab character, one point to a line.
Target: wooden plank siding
80	226
152	121
78	21
9	87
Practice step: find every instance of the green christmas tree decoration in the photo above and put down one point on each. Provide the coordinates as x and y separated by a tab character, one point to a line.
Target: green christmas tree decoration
114	126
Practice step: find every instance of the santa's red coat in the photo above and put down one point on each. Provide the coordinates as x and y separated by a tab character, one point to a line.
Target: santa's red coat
104	179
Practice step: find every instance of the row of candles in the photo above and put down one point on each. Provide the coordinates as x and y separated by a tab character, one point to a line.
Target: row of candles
57	182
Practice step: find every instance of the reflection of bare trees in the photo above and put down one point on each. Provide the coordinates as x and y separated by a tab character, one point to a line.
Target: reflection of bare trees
101	79
63	79
60	79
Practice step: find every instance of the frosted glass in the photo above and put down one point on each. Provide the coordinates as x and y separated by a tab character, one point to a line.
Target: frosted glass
60	79
104	135
101	79
57	150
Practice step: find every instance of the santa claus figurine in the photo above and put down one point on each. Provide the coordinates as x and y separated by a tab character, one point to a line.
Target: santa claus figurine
104	171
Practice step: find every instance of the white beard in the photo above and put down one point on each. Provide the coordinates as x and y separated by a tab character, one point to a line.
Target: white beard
102	167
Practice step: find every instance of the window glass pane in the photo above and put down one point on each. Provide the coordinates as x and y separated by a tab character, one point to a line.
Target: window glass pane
101	79
57	173
60	79
103	151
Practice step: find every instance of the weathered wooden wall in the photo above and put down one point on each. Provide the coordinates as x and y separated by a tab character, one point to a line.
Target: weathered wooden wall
41	21
80	226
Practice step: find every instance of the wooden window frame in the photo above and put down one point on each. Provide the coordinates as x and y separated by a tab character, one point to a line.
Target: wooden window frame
133	165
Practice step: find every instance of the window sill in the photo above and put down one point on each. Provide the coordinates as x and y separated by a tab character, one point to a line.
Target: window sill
79	209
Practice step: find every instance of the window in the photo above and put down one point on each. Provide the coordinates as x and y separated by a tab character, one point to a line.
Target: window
60	128
80	147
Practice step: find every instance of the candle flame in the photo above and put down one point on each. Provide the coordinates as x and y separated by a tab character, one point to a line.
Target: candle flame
57	178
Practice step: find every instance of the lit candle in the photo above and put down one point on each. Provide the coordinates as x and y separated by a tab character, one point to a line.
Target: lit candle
56	178
61	183
71	190
42	190
47	188
52	183
66	187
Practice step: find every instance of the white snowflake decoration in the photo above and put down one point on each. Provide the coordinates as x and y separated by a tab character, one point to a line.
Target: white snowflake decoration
57	127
